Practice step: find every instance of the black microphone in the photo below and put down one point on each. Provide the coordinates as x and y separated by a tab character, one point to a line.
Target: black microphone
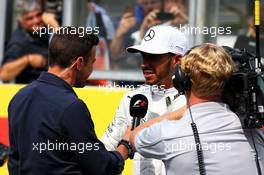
138	109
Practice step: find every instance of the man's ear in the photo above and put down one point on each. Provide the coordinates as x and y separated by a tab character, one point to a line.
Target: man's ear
79	63
176	59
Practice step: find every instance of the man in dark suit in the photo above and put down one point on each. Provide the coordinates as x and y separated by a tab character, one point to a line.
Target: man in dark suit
50	129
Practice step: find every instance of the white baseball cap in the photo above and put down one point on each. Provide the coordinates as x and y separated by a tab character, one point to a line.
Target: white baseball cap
161	40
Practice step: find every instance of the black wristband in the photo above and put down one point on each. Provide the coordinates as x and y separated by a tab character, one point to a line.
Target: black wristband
128	146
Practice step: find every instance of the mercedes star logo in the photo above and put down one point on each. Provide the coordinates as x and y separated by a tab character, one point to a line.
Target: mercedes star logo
150	35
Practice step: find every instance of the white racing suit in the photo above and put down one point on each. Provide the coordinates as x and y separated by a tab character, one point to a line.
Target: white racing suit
160	102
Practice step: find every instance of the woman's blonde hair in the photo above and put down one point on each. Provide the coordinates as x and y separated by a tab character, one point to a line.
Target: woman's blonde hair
209	67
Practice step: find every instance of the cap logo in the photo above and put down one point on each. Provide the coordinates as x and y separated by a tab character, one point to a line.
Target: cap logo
150	35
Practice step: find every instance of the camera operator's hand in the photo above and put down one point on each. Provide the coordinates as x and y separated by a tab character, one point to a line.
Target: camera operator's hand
149	21
128	21
36	60
50	19
180	16
127	133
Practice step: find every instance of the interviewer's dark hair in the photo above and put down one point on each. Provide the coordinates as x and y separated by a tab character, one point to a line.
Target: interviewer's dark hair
67	45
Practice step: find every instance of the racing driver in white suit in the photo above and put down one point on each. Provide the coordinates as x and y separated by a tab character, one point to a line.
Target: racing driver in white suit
161	48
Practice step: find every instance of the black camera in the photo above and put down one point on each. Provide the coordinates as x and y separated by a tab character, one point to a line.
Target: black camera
244	91
54	6
164	16
3	154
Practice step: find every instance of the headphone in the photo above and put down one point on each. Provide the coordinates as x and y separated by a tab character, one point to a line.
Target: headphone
181	81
